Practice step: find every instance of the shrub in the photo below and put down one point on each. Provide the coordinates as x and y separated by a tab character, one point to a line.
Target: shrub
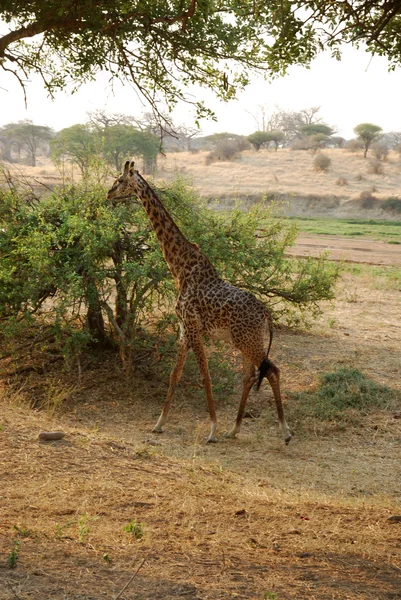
303	143
321	162
341	181
225	150
354	146
367	200
375	167
380	150
392	203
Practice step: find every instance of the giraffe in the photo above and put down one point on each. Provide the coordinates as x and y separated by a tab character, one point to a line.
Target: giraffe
206	306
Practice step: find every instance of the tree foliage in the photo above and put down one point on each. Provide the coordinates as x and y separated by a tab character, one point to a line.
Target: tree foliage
163	47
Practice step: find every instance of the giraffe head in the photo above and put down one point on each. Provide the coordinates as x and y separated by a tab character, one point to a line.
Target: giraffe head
126	185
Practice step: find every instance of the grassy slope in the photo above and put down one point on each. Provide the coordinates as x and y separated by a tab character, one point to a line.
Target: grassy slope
284	172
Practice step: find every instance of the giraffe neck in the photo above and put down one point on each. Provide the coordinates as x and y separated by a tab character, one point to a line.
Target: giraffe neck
180	254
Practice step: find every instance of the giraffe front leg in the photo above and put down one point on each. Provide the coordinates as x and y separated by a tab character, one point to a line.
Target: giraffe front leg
249	379
175	377
201	359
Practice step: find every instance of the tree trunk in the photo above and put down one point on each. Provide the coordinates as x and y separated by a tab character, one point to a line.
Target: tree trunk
94	316
121	292
149	165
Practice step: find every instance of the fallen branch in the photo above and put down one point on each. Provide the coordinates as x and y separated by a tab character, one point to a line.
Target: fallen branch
132	578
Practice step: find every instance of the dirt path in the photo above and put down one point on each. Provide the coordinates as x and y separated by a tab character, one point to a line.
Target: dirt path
366	251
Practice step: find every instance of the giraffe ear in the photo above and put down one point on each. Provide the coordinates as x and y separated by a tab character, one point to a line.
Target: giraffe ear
126	166
132	164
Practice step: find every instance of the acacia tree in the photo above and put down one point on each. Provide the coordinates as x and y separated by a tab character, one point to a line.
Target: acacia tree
367	133
164	47
258	139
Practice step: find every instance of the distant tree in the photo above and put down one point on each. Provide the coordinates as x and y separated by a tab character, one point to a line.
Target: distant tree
391	139
310	116
276	137
316	128
187	134
26	136
367	133
78	144
6	141
336	141
102	119
148	147
258	139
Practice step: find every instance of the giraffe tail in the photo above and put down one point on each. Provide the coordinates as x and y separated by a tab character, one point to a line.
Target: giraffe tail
264	369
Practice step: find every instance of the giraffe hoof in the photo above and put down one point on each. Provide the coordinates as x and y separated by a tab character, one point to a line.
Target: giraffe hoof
157	429
287	439
230	435
211	440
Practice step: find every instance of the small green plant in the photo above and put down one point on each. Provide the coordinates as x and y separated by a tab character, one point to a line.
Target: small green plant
12	558
22	531
135	529
60	528
270	596
331	321
83	527
107	558
343	390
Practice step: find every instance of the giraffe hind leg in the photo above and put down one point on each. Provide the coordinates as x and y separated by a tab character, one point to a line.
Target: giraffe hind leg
248	380
272	373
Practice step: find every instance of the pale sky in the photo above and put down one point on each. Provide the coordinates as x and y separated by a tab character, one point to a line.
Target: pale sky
356	90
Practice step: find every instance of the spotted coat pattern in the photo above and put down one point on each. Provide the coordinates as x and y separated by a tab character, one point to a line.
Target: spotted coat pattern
206	306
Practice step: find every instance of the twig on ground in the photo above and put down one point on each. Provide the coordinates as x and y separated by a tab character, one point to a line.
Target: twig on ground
132	578
12	590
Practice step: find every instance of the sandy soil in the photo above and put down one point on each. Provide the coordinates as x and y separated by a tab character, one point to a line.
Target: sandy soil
373	252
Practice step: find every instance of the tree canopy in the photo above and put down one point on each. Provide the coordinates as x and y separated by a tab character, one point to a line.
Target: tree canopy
164	46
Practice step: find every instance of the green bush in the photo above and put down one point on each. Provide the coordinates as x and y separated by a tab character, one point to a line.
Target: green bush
392	203
95	272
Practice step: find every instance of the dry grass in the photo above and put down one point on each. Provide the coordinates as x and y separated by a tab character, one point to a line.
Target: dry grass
283	172
247	518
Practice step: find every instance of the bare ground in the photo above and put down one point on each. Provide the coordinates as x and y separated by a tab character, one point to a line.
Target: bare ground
246	518
374	252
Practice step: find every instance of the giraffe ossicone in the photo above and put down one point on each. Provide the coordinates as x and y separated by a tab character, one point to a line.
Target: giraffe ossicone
206	306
